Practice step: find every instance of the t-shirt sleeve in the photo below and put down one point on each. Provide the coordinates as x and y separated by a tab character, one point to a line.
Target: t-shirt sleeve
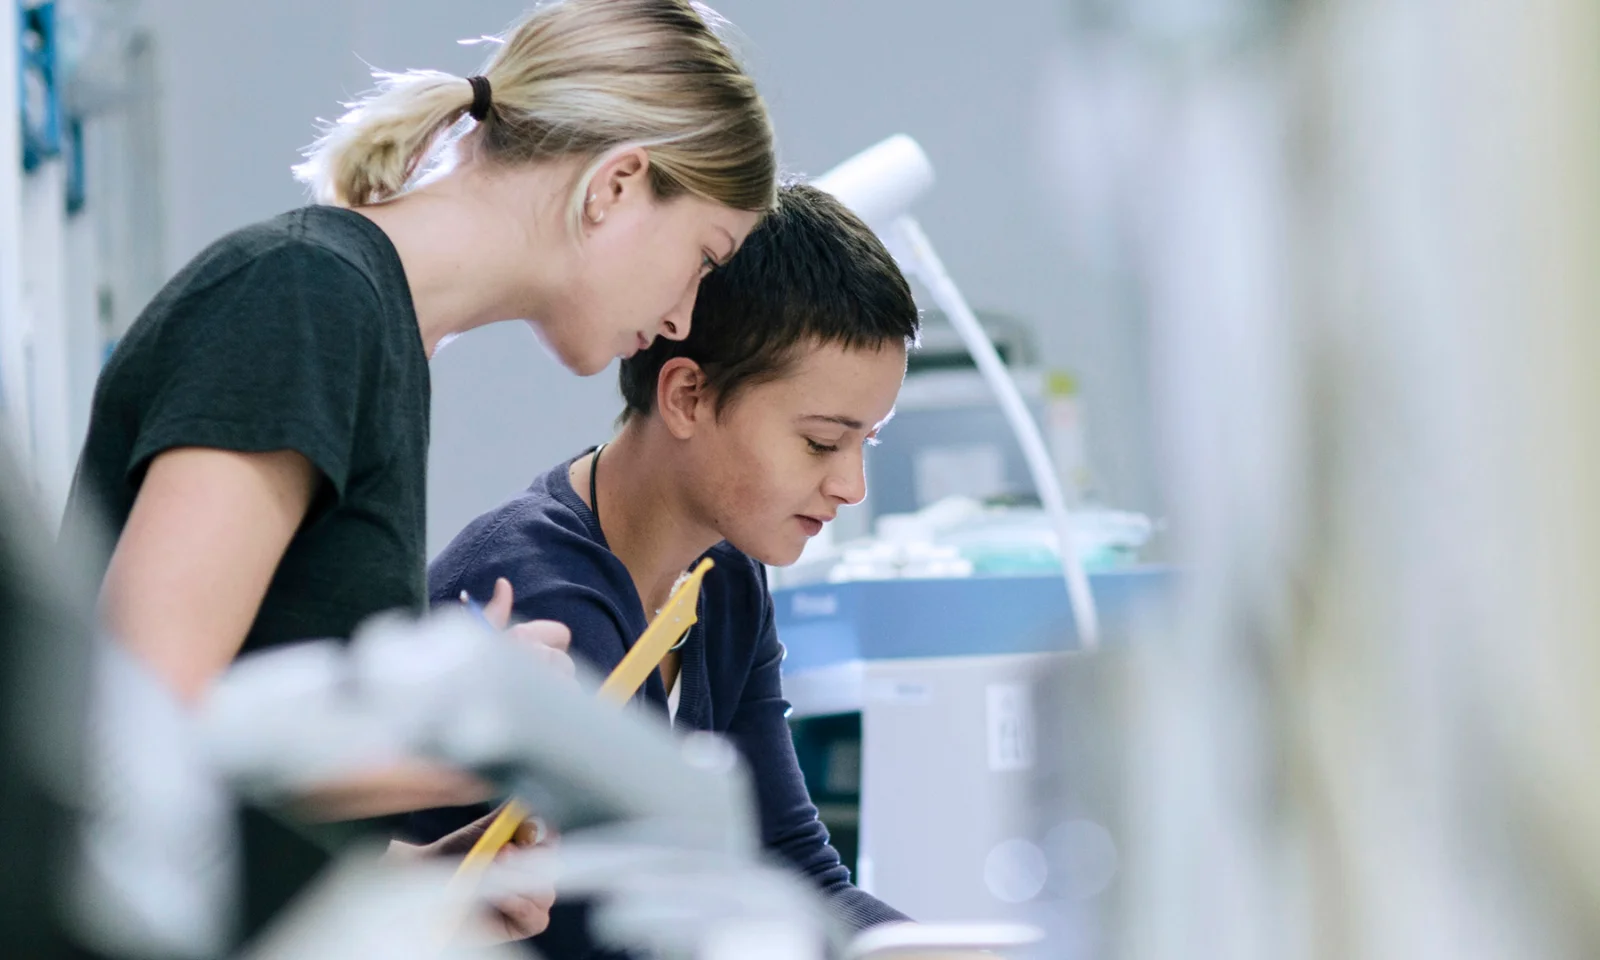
274	356
789	823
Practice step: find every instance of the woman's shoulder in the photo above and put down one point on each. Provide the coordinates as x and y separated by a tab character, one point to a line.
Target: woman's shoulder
317	247
323	232
275	288
322	253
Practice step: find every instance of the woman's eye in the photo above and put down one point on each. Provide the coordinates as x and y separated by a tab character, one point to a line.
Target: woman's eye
706	263
820	447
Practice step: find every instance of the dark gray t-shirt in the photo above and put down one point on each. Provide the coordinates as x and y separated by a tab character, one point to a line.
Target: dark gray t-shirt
297	333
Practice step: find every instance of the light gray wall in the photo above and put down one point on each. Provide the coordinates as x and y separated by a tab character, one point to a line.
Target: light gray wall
243	80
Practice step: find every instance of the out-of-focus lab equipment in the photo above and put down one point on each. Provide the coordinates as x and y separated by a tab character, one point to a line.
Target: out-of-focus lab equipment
1363	238
653	811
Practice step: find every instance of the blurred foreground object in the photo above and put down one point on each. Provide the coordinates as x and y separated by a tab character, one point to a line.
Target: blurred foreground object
1367	235
45	639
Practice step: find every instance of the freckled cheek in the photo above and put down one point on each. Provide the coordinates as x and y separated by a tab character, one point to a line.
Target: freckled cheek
755	502
759	499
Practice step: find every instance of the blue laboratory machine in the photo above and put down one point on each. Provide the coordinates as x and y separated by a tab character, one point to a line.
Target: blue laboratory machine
918	725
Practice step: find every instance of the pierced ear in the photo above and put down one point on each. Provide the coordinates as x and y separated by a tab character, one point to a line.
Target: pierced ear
682	396
622	173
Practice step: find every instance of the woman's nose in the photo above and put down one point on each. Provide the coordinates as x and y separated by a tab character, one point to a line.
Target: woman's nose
675	325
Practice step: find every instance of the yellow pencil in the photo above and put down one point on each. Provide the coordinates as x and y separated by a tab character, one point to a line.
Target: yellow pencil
671	623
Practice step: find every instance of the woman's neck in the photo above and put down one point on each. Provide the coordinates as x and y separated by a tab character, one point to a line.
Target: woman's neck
648	522
474	249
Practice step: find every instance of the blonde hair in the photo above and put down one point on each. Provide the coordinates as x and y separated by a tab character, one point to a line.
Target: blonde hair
575	78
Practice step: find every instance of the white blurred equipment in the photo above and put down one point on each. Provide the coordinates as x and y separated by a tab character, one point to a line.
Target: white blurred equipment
659	830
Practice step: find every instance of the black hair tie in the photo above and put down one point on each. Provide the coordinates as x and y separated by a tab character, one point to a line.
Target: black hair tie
481	98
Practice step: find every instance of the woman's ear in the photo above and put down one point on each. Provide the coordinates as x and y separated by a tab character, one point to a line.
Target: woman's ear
623	176
683	397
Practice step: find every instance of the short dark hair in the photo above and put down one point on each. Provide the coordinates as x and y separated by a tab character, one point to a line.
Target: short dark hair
810	274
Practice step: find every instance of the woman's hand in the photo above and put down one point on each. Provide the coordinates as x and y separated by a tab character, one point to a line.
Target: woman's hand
547	639
512	918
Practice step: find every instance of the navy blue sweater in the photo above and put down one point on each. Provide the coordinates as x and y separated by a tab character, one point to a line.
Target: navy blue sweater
549	545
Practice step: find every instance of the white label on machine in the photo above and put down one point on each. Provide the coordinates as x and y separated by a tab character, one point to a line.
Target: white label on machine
806	604
1010	726
905	692
976	470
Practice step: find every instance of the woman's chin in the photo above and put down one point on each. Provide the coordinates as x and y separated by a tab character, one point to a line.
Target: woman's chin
586	366
573	357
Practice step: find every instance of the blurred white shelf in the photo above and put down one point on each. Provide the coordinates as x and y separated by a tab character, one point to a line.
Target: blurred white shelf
71	283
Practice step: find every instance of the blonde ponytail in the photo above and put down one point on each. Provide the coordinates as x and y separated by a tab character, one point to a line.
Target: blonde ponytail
374	150
573	78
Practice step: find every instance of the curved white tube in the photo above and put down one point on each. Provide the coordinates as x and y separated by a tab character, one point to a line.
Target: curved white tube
879	184
924	261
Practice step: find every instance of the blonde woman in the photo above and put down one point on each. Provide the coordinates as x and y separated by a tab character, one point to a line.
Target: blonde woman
257	444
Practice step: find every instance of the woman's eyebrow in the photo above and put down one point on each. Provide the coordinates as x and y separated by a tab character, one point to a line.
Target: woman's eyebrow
846	422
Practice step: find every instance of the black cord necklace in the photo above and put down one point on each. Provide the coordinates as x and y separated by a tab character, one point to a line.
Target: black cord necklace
594	488
594	508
